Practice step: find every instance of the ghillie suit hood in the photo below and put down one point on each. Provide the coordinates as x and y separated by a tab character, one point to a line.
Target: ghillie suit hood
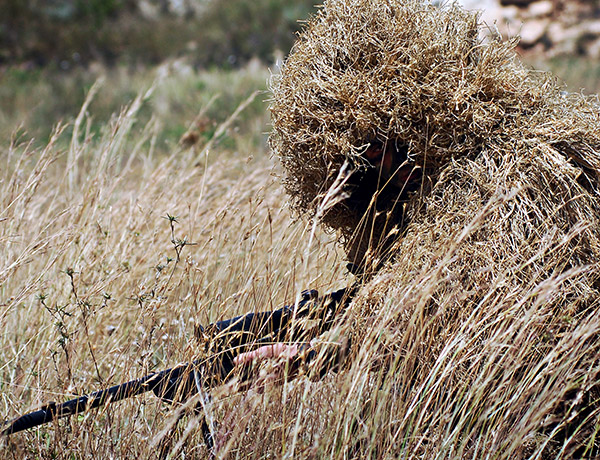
486	306
419	76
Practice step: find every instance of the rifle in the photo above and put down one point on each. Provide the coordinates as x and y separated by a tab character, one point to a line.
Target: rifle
223	341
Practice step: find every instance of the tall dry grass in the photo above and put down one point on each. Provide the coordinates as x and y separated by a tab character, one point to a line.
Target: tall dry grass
110	254
480	324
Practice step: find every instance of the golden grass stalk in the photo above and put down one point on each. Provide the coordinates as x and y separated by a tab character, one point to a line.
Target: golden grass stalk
99	284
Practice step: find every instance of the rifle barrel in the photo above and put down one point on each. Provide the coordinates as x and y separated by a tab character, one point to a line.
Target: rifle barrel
161	380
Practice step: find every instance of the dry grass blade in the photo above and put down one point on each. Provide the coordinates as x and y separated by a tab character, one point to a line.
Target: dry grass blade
98	287
475	333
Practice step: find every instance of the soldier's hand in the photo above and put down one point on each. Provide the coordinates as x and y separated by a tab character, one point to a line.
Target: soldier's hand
277	350
274	363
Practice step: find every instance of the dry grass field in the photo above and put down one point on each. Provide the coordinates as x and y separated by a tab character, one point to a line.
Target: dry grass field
116	239
99	285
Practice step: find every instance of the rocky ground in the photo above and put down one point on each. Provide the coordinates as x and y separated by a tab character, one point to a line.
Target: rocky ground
548	27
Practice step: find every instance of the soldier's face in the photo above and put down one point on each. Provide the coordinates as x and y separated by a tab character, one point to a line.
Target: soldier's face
394	168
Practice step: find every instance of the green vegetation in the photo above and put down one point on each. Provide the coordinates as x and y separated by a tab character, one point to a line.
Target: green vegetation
55	51
70	33
184	101
578	73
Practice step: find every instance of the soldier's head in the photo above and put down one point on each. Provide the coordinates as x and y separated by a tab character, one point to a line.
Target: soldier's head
373	102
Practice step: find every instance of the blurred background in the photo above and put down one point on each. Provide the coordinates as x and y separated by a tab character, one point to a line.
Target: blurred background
209	55
52	51
73	33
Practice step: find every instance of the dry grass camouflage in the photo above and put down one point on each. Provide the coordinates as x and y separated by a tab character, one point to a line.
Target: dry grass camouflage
481	324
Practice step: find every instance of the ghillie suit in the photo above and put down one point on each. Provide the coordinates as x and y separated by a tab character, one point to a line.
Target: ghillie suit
481	310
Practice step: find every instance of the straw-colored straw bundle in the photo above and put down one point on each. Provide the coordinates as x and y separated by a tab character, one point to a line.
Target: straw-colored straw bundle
485	307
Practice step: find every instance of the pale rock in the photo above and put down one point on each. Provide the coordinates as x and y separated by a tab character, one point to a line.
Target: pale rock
563	39
479	4
533	31
149	10
490	9
572	13
538	49
541	8
510	13
593	49
590	28
557	33
549	27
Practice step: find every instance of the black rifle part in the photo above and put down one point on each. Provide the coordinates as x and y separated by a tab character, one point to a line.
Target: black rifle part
227	339
166	384
224	341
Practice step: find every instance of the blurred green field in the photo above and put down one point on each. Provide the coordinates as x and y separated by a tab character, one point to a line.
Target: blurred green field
183	101
70	33
579	74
